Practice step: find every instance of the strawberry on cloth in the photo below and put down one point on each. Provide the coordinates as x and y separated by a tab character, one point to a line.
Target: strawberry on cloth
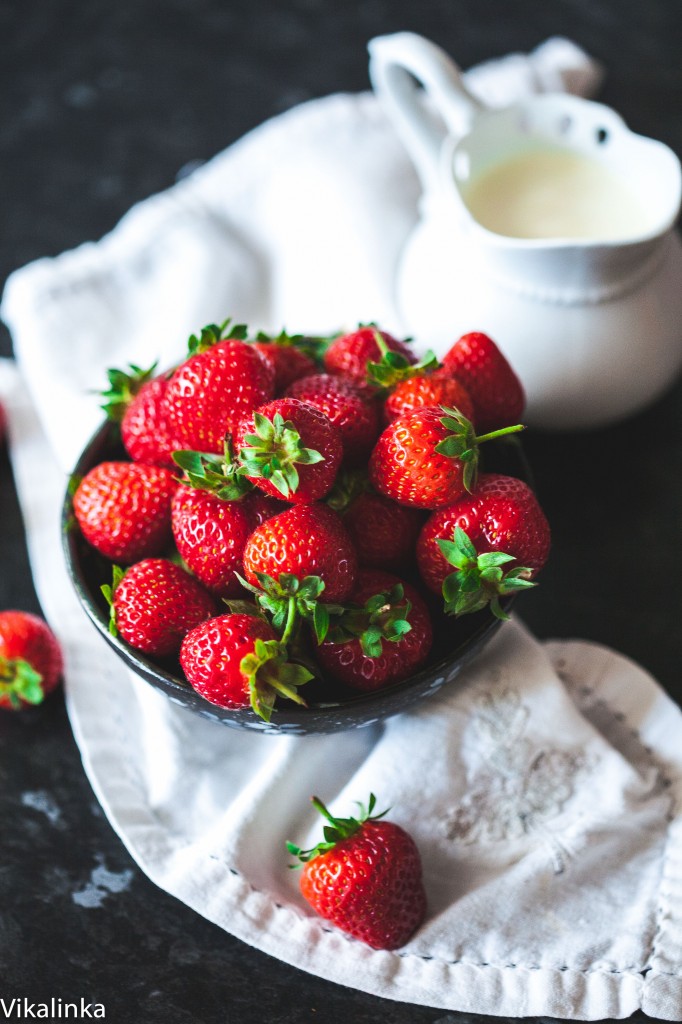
365	877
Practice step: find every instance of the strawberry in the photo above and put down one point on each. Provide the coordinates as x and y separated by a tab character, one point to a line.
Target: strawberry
350	411
123	509
290	450
350	353
384	533
496	391
285	353
383	636
365	877
428	458
223	380
236	661
154	604
31	663
306	540
437	388
462	548
136	400
210	535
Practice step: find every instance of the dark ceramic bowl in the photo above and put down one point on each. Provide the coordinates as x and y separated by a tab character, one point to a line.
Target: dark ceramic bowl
330	708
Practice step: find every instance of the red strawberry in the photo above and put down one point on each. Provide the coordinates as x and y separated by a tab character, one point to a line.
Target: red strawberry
427	458
145	430
290	450
365	877
223	380
210	535
306	540
350	353
155	603
350	411
384	533
436	388
497	393
31	662
462	548
123	509
236	661
136	400
288	361
382	637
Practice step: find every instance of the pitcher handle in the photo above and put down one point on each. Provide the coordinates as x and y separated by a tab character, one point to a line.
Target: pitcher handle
399	65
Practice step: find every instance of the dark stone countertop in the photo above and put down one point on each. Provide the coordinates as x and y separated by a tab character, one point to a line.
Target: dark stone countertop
104	104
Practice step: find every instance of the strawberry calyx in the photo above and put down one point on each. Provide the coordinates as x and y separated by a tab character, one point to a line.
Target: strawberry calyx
348	485
213	333
19	682
393	367
274	450
336	831
383	617
123	386
108	592
314	346
222	475
463	443
270	674
479	580
287	600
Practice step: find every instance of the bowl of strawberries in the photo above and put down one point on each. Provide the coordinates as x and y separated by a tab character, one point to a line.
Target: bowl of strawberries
305	535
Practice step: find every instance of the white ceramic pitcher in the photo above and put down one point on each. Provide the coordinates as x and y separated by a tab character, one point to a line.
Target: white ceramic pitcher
592	325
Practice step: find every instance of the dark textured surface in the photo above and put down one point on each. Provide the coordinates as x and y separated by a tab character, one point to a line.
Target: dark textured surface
103	104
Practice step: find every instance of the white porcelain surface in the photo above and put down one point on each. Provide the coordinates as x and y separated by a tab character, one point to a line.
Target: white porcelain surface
592	327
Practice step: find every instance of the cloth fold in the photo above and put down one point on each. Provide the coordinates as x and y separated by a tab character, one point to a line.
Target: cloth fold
543	788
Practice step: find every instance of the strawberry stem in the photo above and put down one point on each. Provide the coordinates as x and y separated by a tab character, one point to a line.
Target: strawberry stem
336	831
292	617
501	432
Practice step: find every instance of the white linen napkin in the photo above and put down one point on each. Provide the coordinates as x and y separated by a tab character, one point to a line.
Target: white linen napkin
543	788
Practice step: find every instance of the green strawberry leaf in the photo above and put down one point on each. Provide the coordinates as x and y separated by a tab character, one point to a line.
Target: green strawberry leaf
336	830
213	333
272	451
313	346
287	601
463	443
270	674
20	682
383	617
393	367
479	580
109	591
123	386
222	475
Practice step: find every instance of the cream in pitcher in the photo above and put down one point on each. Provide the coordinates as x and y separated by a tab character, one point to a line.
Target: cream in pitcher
555	193
547	224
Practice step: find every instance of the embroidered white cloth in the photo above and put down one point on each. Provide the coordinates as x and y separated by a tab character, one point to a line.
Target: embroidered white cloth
543	789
